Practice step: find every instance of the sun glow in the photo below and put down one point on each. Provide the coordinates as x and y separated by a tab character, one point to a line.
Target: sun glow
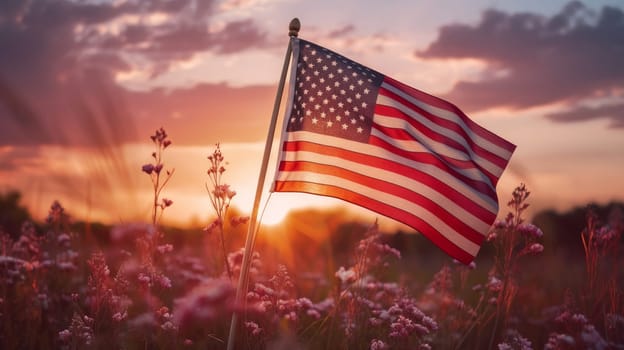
275	212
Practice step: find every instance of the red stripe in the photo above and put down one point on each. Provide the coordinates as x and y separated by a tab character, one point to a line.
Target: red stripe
382	208
442	104
394	112
400	134
398	191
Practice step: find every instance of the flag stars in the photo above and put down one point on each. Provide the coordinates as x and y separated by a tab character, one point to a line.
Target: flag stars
336	92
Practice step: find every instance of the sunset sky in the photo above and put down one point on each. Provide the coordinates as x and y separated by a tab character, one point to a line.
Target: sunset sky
83	84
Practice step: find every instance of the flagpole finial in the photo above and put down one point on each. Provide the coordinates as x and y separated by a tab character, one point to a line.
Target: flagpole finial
293	27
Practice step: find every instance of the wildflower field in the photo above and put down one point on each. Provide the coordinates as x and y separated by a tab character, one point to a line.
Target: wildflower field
554	283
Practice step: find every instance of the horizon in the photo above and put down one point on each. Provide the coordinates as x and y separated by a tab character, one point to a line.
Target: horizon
83	85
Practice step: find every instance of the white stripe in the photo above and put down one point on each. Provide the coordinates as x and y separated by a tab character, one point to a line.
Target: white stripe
448	115
401	124
445	230
400	180
374	151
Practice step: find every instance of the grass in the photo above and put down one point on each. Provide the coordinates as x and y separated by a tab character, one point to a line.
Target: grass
144	286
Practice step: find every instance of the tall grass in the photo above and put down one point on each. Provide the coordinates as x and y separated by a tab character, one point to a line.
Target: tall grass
141	289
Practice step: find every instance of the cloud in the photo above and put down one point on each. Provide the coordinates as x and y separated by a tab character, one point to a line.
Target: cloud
216	112
535	60
614	113
60	58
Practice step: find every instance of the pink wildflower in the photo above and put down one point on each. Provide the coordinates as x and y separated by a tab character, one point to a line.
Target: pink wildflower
536	248
377	344
345	276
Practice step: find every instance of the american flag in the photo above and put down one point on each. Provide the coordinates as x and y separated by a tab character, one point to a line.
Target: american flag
354	134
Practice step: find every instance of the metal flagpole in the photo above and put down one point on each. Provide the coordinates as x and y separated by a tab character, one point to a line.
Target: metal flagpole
293	28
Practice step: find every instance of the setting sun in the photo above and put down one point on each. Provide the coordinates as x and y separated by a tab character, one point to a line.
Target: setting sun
274	213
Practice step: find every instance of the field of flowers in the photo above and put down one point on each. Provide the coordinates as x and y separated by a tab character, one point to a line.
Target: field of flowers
69	285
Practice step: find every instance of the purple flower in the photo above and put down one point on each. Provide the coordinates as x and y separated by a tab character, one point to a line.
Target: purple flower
148	168
530	230
158	168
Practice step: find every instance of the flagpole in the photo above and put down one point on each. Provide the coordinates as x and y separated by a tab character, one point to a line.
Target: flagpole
293	31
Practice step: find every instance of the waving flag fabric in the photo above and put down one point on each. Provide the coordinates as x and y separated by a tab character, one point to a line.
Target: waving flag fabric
352	133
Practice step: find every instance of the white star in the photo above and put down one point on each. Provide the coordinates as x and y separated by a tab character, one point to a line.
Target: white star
359	129
345	126
329	123
366	91
364	104
340	104
317	106
358	96
353	121
314	120
323	115
338	118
